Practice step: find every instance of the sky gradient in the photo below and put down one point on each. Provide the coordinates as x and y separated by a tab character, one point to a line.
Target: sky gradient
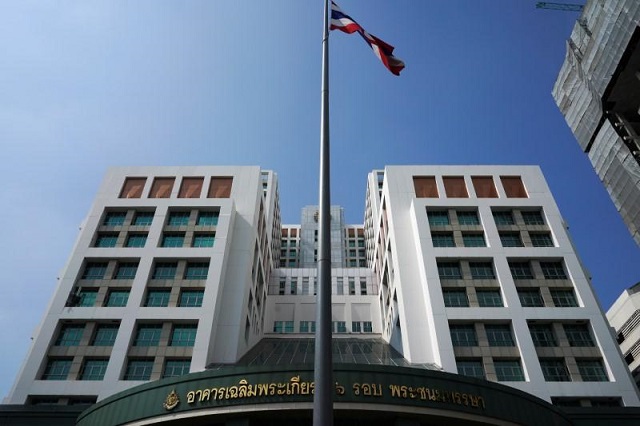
86	85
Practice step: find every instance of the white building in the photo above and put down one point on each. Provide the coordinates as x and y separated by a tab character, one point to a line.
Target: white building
624	317
467	269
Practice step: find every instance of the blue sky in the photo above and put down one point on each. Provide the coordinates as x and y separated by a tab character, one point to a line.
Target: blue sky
86	85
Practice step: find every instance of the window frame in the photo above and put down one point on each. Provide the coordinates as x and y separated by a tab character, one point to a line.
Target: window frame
508	370
455	297
554	370
157	298
463	335
486	292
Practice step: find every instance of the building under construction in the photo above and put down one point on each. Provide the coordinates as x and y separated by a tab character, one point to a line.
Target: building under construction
598	92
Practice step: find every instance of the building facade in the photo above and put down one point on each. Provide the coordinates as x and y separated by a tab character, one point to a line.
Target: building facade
597	91
465	273
624	317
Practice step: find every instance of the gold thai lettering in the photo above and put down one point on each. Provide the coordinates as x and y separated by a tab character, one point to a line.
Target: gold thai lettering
429	394
296	386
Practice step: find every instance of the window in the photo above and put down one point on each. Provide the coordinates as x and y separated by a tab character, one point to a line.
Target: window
449	270
70	335
473	240
143	219
438	218
503	217
196	271
105	335
510	239
563	298
94	369
106	239
191	187
183	335
117	298
87	297
352	286
132	187
455	187
164	271
592	370
339	326
499	334
139	369
481	270
283	326
203	240
294	286
148	335
425	186
126	271
455	297
468	218
520	270
94	271
157	298
307	326
356	327
578	335
161	187
530	298
191	298
207	219
114	219
470	368
463	335
513	187
542	335
363	286
553	271
443	239
489	298
220	187
565	402
484	187
508	370
178	219
173	240
176	367
57	369
541	239
136	240
532	217
554	370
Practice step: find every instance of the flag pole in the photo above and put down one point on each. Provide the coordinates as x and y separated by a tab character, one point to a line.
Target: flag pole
323	365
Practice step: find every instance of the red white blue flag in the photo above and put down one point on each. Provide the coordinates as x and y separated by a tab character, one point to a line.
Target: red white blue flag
343	22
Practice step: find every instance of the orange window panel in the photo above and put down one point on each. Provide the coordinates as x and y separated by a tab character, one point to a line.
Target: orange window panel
455	187
513	187
162	187
484	187
425	186
220	187
191	187
132	187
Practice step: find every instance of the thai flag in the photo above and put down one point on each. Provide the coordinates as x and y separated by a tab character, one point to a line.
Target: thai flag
343	22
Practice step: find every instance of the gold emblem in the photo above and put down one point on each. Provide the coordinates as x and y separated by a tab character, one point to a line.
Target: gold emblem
172	401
